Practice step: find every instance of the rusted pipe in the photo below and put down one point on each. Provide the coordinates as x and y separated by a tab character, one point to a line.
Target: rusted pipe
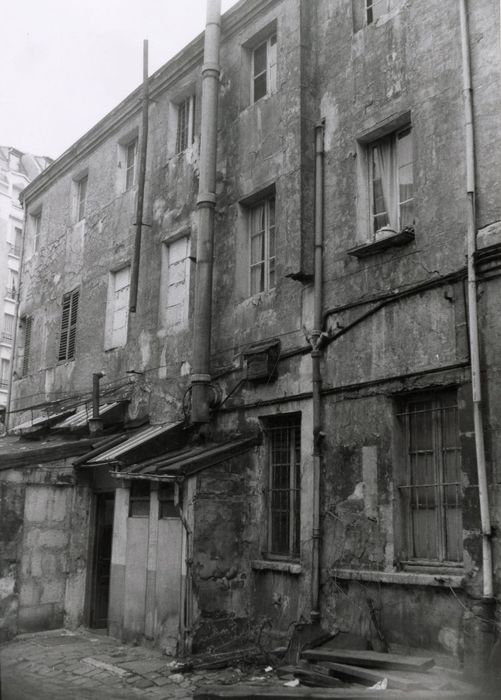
473	310
206	203
134	279
316	354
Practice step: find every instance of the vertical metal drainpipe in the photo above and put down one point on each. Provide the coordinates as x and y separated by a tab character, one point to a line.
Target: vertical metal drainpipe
206	203
316	354
473	311
134	280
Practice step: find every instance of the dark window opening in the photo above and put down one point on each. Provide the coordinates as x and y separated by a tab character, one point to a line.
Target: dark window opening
139	500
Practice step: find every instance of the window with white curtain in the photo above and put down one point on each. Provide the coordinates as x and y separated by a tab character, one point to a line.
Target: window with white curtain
392	181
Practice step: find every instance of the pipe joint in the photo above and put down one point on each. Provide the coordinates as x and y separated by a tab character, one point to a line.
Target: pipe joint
206	199
200	379
208	68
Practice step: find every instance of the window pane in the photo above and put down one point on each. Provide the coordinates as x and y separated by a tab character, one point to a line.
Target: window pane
259	87
257	248
257	279
260	59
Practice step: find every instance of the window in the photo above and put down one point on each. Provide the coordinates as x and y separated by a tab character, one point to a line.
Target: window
139	501
8	328
176	283
68	326
117	309
264	69
430	491
4	374
36	225
262	246
375	8
130	151
392	182
26	324
12	284
185	124
284	487
168	504
81	197
18	241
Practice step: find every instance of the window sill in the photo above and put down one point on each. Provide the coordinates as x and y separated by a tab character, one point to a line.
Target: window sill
405	578
285	567
395	240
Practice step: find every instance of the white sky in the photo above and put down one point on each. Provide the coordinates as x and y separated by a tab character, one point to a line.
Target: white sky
65	63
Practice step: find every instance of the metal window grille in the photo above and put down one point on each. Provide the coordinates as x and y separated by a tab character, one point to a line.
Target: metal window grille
28	322
185	124
139	499
431	495
68	325
262	246
284	490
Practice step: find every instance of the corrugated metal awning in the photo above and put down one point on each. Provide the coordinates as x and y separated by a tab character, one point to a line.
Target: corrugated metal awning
41	422
81	417
190	460
140	438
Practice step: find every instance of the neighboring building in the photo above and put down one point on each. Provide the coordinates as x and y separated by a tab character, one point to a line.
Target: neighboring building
17	169
399	523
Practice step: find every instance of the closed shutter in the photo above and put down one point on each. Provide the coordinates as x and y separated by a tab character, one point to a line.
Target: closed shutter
27	344
68	325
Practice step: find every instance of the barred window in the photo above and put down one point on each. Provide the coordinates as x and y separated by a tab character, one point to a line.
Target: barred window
284	489
431	494
185	124
67	338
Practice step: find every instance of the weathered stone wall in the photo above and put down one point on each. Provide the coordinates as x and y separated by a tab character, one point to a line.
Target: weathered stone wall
45	531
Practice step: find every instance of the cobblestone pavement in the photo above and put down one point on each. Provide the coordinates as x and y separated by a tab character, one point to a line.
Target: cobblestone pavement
79	666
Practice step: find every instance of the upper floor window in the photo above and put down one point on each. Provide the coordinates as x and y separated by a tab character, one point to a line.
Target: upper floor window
139	499
117	309
4	374
264	68
26	323
12	284
185	134
284	484
36	227
262	246
80	197
8	328
67	338
175	283
130	164
391	181
431	489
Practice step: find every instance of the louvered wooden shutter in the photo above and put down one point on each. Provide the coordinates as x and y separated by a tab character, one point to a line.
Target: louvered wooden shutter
68	325
27	344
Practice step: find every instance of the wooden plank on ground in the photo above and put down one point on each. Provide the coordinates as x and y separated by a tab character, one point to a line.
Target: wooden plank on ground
271	692
370	659
368	676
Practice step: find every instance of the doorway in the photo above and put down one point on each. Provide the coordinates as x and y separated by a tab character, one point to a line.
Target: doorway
105	505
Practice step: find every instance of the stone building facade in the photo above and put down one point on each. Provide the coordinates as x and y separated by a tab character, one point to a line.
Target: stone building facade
16	171
211	533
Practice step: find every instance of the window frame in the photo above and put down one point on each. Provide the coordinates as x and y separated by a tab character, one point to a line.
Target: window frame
166	283
68	328
36	227
169	507
269	233
110	336
81	189
270	69
442	512
291	425
185	123
391	140
4	376
130	170
136	499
